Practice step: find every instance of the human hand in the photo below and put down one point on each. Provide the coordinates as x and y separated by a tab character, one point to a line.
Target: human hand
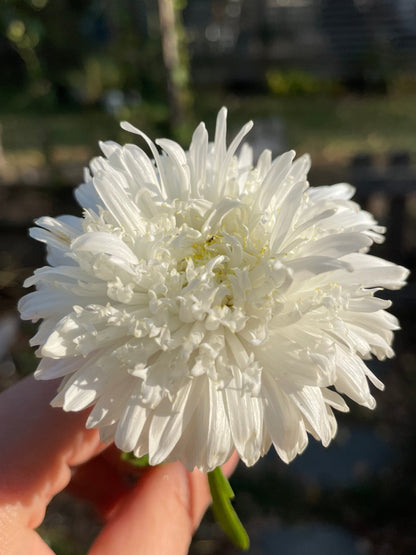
43	449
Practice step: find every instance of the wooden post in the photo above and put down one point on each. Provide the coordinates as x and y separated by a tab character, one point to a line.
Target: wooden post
176	78
2	158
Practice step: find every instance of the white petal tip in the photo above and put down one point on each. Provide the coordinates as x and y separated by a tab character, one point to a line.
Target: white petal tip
249	125
129	127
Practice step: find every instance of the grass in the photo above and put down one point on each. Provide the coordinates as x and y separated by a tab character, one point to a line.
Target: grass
332	130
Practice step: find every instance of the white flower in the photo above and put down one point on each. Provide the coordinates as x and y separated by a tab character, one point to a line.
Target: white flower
203	304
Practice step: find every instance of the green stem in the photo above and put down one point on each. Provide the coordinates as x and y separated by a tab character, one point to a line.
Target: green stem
133	460
224	512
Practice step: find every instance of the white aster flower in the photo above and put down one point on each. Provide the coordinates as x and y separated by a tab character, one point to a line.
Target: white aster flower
203	304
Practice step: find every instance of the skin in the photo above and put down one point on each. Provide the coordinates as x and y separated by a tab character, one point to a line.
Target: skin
44	450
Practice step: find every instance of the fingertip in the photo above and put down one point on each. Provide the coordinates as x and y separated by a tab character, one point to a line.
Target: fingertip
156	517
161	514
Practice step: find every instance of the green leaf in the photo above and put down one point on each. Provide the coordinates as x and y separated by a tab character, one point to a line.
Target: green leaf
223	510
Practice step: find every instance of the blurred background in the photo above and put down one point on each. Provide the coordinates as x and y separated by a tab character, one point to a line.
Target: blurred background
335	78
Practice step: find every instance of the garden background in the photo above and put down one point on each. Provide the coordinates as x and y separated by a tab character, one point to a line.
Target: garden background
335	78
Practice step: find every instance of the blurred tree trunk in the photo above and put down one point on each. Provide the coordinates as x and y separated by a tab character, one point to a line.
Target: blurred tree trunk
174	51
2	158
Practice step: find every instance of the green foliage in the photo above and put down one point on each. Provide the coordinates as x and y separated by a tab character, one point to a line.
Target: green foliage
97	74
295	82
403	84
70	52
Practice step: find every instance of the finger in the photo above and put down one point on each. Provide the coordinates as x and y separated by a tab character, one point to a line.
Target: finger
160	514
38	446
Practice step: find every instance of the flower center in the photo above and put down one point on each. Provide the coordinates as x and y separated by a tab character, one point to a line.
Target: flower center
205	251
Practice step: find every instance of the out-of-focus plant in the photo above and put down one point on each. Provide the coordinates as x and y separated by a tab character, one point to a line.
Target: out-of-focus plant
118	50
97	74
41	32
24	36
24	31
295	82
403	84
